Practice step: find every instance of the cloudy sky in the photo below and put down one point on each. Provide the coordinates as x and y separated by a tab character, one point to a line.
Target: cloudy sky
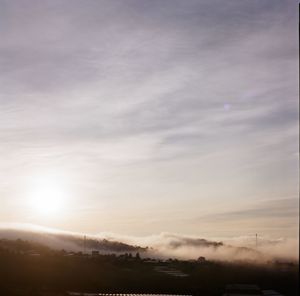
149	116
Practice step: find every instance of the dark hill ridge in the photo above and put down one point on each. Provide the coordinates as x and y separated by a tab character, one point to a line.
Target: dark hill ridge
22	246
104	245
69	241
75	242
167	246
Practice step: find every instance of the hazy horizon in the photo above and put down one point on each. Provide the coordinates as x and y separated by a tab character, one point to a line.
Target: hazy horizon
251	249
149	117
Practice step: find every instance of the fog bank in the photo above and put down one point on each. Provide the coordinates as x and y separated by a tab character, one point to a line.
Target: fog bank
163	245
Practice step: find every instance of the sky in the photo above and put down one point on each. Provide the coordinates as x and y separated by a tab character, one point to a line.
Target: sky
141	117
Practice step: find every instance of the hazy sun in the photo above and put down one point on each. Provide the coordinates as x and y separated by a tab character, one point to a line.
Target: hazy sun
47	196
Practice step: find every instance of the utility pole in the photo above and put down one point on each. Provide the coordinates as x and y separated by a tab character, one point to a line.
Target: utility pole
84	244
256	240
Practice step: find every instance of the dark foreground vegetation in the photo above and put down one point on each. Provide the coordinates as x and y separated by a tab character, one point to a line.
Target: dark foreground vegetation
31	269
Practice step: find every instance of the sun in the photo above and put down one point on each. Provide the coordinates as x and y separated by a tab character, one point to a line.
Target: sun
47	196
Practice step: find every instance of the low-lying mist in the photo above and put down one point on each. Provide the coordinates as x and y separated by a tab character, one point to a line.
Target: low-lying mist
227	249
164	245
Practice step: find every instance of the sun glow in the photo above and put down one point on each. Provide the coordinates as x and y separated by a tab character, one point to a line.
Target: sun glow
47	196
